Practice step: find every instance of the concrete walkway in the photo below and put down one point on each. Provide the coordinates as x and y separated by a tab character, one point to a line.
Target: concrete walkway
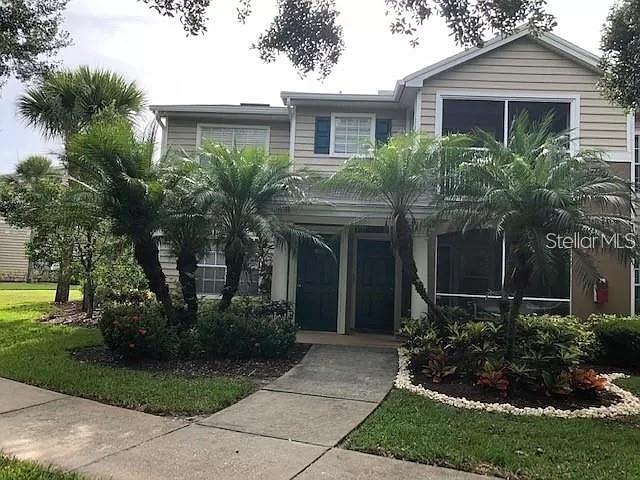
288	430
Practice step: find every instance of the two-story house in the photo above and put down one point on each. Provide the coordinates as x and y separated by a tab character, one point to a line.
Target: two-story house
365	290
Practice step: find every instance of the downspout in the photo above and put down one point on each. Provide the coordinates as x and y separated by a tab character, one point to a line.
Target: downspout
163	129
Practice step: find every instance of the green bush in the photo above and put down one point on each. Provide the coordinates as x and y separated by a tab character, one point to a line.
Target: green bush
118	277
249	328
547	349
619	340
137	331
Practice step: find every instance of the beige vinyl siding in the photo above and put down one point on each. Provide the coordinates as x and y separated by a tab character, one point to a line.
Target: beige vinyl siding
305	133
13	259
168	264
525	65
182	132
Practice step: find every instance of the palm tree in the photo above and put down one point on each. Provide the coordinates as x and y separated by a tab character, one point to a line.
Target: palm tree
66	101
118	166
533	187
187	227
248	190
404	173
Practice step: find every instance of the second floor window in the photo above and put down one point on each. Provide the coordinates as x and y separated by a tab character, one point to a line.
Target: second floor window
352	135
496	116
233	136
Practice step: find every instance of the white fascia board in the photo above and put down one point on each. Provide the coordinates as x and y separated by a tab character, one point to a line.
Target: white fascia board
220	109
294	97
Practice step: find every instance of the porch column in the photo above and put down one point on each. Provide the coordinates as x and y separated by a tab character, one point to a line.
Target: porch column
397	294
279	273
421	256
343	269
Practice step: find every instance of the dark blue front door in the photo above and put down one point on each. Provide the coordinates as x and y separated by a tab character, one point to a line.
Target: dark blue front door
317	287
375	286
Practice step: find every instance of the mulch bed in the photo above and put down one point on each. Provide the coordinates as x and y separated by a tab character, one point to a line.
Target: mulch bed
70	313
463	387
260	371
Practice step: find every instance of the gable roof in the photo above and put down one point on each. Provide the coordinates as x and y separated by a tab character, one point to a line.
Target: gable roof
549	40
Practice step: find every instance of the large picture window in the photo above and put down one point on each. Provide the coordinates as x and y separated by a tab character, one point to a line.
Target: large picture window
465	116
352	134
496	116
470	272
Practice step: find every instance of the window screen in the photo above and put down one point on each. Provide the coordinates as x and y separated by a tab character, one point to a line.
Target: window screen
539	110
465	116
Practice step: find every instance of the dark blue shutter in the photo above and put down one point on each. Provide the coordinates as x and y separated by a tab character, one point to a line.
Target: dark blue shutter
323	135
383	130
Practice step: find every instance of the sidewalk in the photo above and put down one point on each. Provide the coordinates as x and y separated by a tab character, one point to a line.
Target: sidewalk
288	430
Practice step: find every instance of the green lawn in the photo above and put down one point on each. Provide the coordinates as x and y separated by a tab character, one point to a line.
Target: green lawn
11	469
31	286
34	353
411	427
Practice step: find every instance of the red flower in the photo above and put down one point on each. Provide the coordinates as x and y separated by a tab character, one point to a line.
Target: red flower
142	331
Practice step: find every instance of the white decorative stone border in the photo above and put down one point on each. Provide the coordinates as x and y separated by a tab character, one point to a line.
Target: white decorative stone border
629	404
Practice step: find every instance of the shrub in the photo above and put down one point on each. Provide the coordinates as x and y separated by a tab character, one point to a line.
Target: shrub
118	277
137	331
547	346
619	340
547	349
249	328
494	377
587	381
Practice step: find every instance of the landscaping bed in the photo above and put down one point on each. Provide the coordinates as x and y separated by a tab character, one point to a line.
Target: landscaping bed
71	314
259	370
465	387
38	354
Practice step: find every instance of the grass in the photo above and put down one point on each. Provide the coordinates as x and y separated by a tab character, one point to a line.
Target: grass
31	286
12	469
411	427
38	354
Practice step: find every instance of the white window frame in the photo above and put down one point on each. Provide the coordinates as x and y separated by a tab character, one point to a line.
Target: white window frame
332	136
201	126
518	96
209	265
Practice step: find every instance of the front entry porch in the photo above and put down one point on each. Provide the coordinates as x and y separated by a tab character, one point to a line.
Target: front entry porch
360	289
355	339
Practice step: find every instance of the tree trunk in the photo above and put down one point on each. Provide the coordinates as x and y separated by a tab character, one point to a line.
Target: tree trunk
403	243
88	295
147	256
62	288
514	312
234	262
187	264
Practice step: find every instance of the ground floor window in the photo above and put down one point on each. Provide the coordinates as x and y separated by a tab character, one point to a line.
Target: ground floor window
470	269
212	272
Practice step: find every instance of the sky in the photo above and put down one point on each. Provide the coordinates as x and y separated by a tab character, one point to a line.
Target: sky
220	67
